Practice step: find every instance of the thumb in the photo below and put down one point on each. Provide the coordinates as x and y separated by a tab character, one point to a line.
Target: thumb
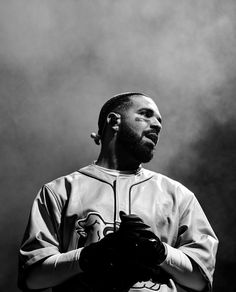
123	215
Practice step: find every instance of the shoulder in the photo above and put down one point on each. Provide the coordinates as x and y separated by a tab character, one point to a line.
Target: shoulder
70	178
171	186
61	181
60	189
164	179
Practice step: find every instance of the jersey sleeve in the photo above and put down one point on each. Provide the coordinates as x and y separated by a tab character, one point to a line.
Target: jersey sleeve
196	237
41	238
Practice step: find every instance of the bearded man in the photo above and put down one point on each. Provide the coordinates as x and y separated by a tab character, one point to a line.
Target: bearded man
114	225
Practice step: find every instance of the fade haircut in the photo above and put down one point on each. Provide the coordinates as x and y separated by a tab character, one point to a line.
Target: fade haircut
118	102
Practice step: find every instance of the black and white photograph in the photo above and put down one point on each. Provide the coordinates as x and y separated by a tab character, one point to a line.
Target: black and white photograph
117	146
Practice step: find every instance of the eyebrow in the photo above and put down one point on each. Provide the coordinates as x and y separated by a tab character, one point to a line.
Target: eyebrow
150	110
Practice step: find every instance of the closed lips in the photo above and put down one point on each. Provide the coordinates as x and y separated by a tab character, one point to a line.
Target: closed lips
153	137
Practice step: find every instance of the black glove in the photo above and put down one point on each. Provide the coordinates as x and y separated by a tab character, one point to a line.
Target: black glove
98	262
142	247
123	258
148	248
99	255
105	266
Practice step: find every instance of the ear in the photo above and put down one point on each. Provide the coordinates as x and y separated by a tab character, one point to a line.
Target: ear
114	119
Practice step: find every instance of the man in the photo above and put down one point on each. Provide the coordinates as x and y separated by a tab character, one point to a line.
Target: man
115	226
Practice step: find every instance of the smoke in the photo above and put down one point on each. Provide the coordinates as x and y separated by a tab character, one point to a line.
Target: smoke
61	60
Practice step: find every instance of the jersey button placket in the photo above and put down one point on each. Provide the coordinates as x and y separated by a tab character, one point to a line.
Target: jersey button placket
117	199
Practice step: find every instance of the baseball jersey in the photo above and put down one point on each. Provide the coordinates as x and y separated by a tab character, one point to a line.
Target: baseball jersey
82	207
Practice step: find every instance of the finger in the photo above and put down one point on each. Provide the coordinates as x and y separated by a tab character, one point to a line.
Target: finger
129	225
131	217
147	234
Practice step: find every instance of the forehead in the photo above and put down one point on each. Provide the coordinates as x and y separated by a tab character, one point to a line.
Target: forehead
139	102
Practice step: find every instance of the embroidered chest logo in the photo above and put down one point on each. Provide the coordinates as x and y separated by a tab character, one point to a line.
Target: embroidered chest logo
92	228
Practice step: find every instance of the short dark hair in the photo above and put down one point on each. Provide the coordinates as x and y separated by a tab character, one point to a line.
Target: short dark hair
117	102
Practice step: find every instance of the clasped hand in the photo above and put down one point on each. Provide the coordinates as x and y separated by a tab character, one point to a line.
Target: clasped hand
131	254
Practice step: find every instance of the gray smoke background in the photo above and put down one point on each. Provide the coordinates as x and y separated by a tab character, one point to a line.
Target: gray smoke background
61	60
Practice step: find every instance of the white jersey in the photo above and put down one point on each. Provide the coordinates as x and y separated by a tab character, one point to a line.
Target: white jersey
80	208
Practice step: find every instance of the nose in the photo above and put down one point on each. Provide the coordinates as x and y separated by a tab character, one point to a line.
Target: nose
156	124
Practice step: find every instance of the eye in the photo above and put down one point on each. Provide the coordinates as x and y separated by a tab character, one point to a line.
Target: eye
146	113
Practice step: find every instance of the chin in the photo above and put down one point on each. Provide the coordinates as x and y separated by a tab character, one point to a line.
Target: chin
147	159
141	152
145	156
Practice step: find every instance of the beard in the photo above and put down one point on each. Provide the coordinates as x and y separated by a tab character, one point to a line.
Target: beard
134	145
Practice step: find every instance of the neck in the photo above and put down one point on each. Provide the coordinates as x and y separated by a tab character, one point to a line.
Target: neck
118	159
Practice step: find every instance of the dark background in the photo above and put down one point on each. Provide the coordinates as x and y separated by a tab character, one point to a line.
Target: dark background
60	61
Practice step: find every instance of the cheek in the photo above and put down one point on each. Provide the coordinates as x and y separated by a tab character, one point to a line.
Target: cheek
140	124
134	128
136	132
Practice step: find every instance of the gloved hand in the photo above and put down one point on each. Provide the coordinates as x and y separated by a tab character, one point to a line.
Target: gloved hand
99	255
148	247
105	266
123	258
140	246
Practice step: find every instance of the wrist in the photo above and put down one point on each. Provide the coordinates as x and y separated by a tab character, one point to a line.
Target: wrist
161	251
165	254
84	259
